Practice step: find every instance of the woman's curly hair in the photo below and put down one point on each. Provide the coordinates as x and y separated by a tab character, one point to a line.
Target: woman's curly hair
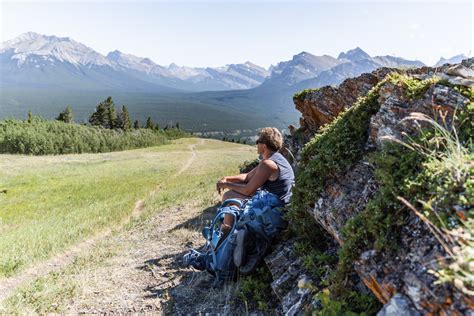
271	137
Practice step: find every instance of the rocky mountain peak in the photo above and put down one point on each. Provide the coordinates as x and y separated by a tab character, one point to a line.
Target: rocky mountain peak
36	47
355	54
453	60
114	55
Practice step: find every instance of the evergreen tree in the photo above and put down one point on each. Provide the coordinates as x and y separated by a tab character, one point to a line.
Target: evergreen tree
149	123
66	116
112	117
136	125
30	116
125	118
105	114
118	121
177	125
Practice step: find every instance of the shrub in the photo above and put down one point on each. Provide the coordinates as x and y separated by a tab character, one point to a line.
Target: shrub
42	137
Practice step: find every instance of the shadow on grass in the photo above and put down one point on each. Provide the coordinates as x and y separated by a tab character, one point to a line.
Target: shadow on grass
198	222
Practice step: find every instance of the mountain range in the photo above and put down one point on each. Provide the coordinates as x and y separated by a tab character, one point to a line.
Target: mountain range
48	64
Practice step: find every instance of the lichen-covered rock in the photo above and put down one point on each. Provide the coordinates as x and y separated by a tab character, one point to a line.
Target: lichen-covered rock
321	106
395	107
398	305
344	197
287	272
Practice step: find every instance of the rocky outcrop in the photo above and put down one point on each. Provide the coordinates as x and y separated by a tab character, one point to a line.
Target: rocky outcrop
399	280
286	271
321	106
342	199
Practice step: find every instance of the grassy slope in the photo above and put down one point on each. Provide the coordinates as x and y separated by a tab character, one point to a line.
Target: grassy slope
54	202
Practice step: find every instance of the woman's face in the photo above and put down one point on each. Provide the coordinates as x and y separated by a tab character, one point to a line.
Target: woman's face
260	147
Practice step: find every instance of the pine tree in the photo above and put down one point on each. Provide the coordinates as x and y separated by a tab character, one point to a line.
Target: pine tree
66	116
177	125
105	114
149	123
136	125
118	121
112	117
30	116
125	118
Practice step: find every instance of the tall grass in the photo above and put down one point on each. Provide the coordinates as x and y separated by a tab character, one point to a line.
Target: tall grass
447	178
52	202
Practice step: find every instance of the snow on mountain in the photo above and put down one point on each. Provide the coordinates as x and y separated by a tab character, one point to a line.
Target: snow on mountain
397	62
33	57
453	60
129	61
37	48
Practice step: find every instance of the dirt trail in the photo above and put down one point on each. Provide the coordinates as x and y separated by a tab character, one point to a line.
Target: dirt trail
190	161
9	285
146	275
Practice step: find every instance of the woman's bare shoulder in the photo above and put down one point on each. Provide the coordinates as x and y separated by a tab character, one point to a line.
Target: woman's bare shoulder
267	163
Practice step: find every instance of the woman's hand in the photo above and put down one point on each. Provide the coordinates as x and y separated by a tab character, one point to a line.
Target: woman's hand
220	185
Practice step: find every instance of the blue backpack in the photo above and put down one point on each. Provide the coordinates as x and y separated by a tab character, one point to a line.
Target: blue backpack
256	222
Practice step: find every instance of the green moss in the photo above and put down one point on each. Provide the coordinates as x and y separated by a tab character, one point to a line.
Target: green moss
399	172
415	88
302	94
468	92
466	124
316	261
333	150
331	307
378	226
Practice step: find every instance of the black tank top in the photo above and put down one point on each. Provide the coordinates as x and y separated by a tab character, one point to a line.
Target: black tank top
281	186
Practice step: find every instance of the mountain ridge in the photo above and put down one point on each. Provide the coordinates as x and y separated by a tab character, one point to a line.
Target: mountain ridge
43	51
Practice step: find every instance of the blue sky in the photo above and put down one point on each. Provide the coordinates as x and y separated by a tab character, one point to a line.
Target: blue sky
214	33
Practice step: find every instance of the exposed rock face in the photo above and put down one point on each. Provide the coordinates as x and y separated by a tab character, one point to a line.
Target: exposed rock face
398	305
400	280
323	105
343	199
285	268
395	107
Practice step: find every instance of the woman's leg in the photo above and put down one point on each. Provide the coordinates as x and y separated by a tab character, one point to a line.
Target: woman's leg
229	219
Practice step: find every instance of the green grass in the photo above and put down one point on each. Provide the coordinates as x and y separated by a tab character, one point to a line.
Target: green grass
51	203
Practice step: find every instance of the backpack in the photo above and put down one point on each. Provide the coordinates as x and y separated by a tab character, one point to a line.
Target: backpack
256	222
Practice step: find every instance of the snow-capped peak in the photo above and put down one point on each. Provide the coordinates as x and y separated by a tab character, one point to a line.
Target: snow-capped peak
52	48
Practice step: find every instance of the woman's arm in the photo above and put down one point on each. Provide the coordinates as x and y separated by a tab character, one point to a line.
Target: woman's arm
238	178
243	177
261	174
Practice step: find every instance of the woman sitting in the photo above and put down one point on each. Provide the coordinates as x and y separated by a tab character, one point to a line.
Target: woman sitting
273	174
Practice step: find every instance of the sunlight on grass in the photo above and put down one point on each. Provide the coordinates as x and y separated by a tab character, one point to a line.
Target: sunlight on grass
53	202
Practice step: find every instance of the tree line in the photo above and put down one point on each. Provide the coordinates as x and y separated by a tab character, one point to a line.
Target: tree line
108	130
108	117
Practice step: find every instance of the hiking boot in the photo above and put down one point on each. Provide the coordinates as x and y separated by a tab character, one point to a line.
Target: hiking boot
250	265
253	260
239	251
